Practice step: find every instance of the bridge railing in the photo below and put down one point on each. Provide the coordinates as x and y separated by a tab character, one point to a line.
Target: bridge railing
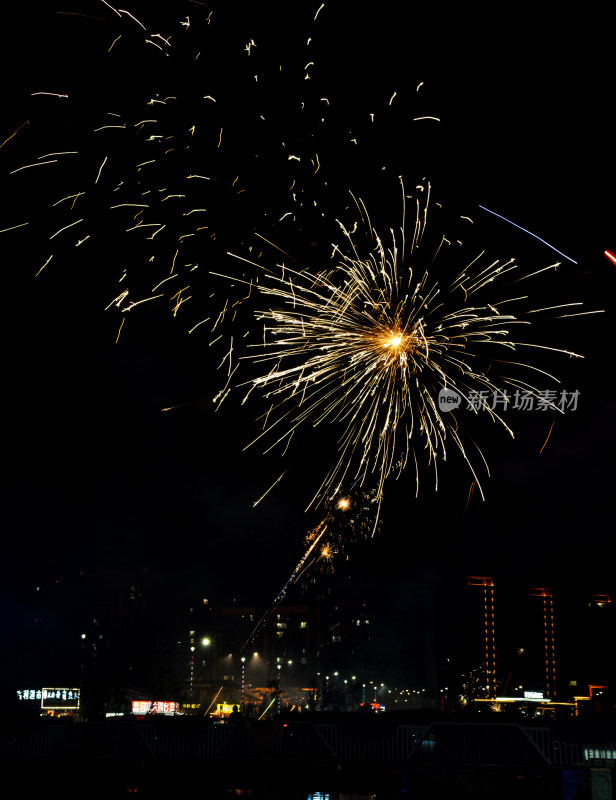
436	743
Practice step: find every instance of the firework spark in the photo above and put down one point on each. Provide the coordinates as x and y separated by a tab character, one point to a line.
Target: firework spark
368	345
165	167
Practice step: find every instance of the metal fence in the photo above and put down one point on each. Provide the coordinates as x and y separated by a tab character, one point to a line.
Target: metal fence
436	743
30	744
394	746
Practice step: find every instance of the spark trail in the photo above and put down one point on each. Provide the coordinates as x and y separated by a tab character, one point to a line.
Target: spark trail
349	518
317	534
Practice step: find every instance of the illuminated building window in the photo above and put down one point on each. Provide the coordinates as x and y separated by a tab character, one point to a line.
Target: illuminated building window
336	637
303	624
281	625
280	634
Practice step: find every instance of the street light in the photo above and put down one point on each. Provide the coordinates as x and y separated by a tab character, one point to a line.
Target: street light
205	642
243	660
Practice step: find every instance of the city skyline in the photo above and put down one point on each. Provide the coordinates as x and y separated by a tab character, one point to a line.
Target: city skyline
121	628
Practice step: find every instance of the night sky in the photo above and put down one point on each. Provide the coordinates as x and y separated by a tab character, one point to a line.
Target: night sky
98	477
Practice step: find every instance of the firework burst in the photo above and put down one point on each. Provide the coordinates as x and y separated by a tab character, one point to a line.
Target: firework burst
369	344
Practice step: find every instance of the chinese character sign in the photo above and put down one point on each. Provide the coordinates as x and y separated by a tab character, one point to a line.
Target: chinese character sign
143	707
59	698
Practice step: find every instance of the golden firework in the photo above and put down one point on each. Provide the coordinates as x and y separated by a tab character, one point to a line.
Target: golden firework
368	345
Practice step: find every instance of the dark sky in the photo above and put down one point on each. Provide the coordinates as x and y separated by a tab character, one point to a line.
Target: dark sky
96	475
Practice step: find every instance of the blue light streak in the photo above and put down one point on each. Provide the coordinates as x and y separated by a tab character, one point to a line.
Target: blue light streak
529	232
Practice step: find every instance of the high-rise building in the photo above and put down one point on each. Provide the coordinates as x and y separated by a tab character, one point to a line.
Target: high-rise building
489	648
549	649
